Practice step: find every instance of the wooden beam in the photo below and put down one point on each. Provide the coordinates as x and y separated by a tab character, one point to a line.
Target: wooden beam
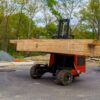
13	41
64	46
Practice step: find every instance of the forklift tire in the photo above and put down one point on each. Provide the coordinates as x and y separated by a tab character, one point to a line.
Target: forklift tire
36	72
64	77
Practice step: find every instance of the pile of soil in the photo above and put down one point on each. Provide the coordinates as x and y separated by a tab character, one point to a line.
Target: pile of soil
4	56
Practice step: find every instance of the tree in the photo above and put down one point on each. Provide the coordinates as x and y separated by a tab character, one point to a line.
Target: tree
21	4
24	25
90	16
52	4
31	9
51	29
44	15
39	32
81	32
64	8
6	9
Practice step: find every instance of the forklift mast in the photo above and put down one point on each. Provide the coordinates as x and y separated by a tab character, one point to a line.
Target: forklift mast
63	29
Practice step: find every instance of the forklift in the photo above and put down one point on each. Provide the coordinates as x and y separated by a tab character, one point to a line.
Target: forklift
64	67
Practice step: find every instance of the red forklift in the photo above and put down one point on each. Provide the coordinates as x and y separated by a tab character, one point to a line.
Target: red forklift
62	66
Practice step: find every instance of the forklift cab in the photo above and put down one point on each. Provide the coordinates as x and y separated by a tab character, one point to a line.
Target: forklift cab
74	63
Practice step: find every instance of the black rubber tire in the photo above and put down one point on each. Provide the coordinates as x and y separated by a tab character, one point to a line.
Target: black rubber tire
64	77
36	72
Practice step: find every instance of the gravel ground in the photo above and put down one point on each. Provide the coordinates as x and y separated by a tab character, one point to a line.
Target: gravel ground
17	85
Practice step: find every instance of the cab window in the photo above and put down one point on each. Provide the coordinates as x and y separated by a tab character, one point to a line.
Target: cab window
81	60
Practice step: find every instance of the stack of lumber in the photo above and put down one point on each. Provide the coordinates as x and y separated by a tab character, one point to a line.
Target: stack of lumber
86	47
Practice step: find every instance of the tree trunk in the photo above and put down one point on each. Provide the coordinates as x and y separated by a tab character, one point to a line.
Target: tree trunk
5	39
18	27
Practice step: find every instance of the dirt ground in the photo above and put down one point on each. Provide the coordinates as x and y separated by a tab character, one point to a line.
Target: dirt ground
17	85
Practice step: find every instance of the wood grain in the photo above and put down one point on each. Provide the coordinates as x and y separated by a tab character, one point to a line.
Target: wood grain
64	46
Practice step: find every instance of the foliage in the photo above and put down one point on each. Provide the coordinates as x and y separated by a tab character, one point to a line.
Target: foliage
90	17
23	27
51	29
39	32
81	32
51	4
